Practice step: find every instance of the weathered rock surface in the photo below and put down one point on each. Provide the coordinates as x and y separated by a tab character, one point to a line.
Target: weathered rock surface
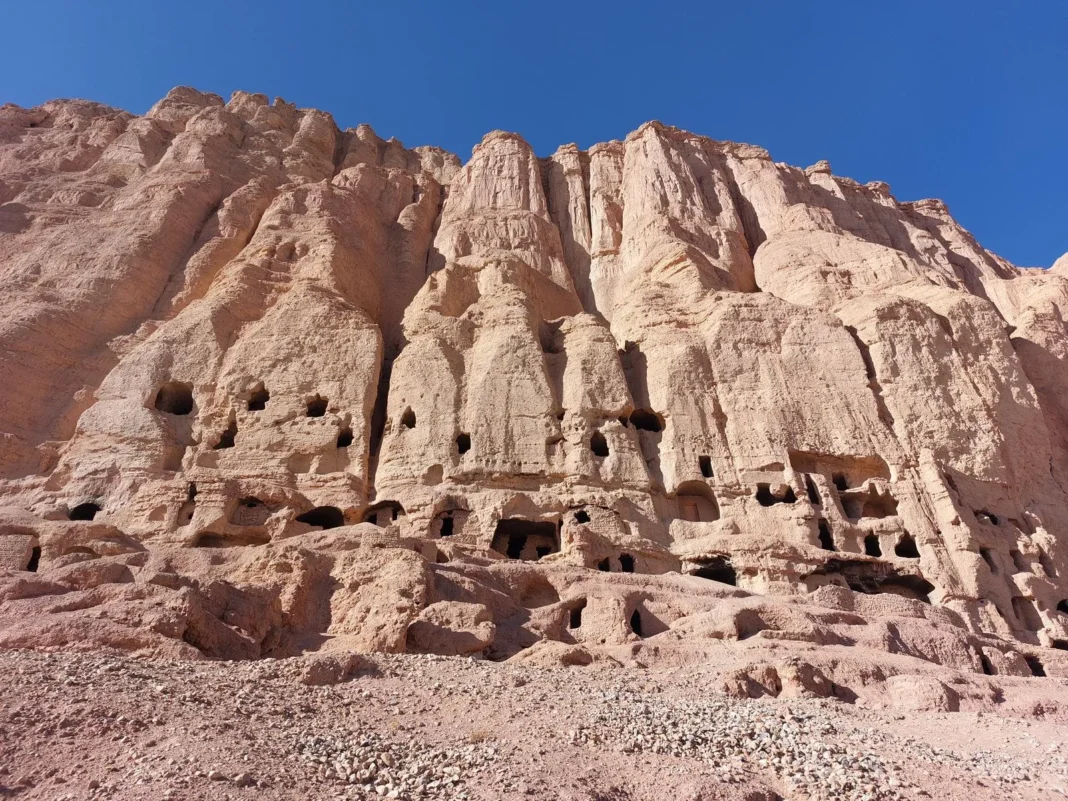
273	387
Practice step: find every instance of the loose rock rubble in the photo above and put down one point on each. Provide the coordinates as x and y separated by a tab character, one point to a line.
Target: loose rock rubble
425	728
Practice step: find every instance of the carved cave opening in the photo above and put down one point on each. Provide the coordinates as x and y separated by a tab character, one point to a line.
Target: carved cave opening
873	578
872	546
1026	614
463	442
826	538
1035	665
626	563
209	539
765	497
383	513
257	401
705	463
344	437
317	406
34	560
227	437
906	547
599	445
812	491
636	623
175	397
84	511
647	420
582	516
529	540
717	568
696	502
323	517
407	419
574	619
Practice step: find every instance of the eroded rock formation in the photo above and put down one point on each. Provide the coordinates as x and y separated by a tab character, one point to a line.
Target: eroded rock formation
269	384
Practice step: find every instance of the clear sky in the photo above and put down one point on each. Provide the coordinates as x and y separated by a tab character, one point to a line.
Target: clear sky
962	100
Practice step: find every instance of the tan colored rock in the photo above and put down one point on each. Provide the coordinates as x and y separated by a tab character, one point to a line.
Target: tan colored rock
273	385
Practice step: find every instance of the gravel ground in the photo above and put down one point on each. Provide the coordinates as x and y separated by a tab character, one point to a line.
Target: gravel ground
424	727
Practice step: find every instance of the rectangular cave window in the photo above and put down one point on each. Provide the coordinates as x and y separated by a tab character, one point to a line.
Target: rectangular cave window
813	493
446	526
575	615
626	563
528	540
706	466
1026	614
826	538
872	547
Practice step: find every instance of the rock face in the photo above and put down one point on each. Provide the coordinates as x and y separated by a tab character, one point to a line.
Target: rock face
270	384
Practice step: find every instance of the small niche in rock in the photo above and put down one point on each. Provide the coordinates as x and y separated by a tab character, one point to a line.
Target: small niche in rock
872	547
906	547
175	397
1060	645
463	443
987	665
696	502
250	512
988	557
647	420
344	437
257	401
582	516
447	523
623	421
626	563
636	622
1033	662
1047	563
869	505
599	445
765	498
185	512
209	539
989	518
813	493
35	559
1062	606
227	437
705	463
605	565
528	540
1018	561
550	338
323	517
83	511
408	418
1026	613
826	539
317	406
717	568
574	620
839	481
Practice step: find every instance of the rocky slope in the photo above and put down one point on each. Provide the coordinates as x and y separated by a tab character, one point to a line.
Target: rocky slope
272	387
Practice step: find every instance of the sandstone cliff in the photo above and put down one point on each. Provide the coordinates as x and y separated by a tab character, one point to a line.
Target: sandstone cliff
268	383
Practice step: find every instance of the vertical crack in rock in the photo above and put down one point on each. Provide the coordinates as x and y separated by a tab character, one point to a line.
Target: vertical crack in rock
873	380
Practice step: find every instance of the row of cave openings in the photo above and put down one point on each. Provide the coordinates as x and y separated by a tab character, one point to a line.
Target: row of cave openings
176	398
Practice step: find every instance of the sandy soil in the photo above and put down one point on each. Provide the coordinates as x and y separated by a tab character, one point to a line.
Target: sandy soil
89	727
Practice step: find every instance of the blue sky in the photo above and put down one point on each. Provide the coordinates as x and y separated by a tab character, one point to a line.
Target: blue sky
967	101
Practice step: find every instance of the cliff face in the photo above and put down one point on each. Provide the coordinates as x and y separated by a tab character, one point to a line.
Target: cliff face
226	328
